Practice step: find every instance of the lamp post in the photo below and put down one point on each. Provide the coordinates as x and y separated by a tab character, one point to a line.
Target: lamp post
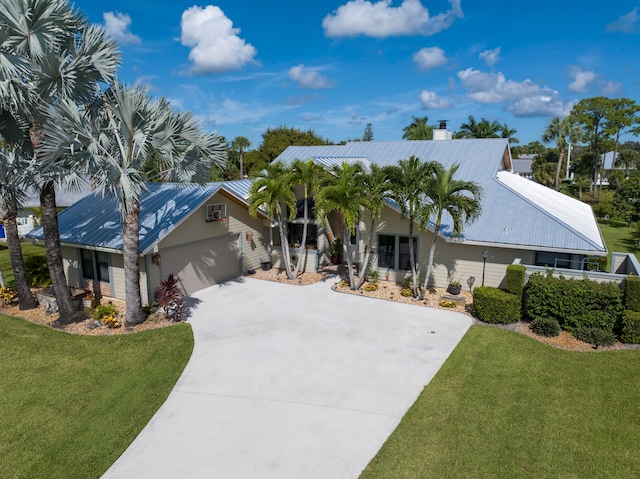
485	253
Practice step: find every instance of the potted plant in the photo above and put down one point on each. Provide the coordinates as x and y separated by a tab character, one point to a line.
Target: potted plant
336	251
87	300
454	287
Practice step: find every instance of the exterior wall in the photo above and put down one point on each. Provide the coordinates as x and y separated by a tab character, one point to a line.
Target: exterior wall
452	261
71	264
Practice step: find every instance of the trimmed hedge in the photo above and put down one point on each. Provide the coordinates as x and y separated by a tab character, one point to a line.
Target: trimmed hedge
632	293
514	280
492	305
574	303
630	327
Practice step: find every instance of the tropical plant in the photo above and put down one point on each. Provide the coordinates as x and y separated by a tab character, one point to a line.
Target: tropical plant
305	174
481	129
170	298
49	53
418	129
13	165
406	183
115	143
344	194
238	146
271	191
564	132
460	200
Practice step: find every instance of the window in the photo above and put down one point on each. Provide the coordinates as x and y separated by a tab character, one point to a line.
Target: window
95	265
393	252
295	234
300	208
553	260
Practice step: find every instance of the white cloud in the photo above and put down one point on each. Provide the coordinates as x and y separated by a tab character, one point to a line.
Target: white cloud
215	44
380	19
526	98
490	57
626	23
431	101
309	78
585	80
429	58
117	25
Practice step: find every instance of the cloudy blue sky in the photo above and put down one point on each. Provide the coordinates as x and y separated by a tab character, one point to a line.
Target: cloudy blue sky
333	66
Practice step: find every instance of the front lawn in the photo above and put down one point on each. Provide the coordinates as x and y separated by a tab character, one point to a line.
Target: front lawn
618	237
70	405
28	250
505	405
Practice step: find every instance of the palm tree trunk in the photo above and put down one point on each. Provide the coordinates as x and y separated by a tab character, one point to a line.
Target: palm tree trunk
365	264
302	250
412	259
432	253
68	313
346	248
284	244
559	168
25	298
131	242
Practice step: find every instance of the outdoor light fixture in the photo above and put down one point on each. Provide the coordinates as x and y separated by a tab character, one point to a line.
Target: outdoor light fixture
485	253
155	259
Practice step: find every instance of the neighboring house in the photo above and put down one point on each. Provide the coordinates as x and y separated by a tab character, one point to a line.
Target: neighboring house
203	234
521	220
522	166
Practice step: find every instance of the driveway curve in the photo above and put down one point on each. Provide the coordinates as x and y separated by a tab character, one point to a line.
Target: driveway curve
290	382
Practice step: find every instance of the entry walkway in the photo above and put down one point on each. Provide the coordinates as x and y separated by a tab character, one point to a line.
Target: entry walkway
290	382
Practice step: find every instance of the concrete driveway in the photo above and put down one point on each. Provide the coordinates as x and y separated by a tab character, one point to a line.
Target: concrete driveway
290	382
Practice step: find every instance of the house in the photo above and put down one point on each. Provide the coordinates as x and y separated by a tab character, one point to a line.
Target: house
521	221
203	234
522	166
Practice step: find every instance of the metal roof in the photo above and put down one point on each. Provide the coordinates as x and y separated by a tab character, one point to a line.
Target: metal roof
516	212
95	221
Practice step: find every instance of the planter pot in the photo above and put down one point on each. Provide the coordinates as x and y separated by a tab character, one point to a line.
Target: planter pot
265	265
87	303
336	259
455	290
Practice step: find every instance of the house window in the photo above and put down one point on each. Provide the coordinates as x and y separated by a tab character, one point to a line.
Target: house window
393	252
295	234
95	265
310	208
554	260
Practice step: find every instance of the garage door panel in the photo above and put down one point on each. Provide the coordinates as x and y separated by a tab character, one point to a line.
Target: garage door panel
201	264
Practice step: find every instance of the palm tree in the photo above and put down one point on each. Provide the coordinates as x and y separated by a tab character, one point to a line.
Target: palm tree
406	182
509	133
115	143
481	129
376	189
344	194
51	53
272	192
563	132
627	157
239	144
418	129
305	174
460	199
13	169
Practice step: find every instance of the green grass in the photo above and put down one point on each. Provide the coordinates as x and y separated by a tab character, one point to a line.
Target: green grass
28	250
504	405
70	405
618	237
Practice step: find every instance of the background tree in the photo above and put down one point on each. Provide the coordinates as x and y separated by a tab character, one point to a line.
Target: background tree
482	129
564	132
368	133
622	117
239	146
418	129
509	133
274	142
13	177
627	158
626	199
50	53
544	166
272	192
114	143
344	194
461	200
406	182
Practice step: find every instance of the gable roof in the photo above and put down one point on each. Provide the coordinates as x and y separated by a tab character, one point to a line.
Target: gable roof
516	212
95	221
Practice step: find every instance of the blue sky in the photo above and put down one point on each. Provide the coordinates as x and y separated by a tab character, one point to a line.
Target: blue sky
334	66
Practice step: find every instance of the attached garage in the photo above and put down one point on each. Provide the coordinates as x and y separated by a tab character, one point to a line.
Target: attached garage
203	263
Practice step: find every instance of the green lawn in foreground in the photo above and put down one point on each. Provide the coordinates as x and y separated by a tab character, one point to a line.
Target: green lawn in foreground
618	237
28	250
506	406
70	405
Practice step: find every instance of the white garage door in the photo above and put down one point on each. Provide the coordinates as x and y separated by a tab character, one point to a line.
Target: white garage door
203	263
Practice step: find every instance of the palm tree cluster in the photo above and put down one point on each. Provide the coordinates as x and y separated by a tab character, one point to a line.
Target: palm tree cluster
66	119
424	191
486	129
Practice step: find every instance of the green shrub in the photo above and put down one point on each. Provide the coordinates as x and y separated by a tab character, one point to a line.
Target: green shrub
596	263
104	310
632	293
492	305
630	327
545	327
37	271
573	303
514	281
596	336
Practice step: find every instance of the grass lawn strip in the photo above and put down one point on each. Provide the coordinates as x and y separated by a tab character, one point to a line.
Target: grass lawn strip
505	405
70	405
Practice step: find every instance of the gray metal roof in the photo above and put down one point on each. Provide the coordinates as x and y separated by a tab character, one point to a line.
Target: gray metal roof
522	165
64	196
516	213
95	221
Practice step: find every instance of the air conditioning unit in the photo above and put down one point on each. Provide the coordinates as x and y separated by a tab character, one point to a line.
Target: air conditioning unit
216	212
